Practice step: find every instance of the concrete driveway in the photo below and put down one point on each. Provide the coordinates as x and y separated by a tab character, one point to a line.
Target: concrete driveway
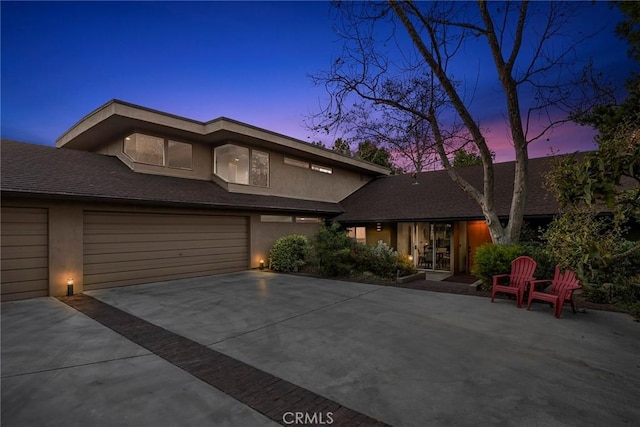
405	357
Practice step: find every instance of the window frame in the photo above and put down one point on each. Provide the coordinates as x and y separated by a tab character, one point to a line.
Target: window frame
137	160
165	150
250	174
167	156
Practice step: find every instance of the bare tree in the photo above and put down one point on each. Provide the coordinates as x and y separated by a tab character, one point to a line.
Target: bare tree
401	57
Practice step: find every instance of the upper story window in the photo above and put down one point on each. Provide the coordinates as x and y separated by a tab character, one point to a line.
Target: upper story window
323	169
294	162
145	149
307	165
259	168
154	150
239	165
179	155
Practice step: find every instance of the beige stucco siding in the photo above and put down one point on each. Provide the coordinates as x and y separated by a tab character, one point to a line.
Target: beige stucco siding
25	251
303	183
264	235
284	180
125	248
45	242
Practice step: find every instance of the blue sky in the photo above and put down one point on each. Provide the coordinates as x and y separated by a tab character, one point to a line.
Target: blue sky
249	61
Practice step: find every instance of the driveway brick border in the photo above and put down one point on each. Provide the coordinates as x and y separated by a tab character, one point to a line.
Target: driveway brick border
266	393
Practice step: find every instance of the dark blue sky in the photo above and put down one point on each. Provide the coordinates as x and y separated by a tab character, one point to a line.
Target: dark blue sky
249	61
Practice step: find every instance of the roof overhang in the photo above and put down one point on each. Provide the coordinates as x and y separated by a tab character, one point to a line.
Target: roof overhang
116	119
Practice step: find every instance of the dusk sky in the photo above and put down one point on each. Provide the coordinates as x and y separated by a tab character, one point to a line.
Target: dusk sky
249	61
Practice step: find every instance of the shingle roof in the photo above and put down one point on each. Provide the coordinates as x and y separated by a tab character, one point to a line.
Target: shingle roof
37	170
437	197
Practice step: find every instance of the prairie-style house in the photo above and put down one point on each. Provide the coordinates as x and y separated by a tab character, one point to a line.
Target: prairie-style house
131	195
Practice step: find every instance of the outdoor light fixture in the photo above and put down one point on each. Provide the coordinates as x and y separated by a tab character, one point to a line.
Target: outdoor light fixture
69	286
379	226
261	264
410	257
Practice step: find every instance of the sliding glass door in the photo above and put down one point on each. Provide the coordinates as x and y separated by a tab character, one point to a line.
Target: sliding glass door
429	243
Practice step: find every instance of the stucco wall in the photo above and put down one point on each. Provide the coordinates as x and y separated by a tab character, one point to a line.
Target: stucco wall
284	180
264	235
66	234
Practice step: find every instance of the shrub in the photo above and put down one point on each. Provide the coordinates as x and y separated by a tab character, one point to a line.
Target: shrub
404	265
546	261
338	255
289	253
383	260
333	251
493	259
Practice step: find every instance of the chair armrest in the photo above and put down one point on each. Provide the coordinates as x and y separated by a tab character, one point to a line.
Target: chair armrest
534	283
499	276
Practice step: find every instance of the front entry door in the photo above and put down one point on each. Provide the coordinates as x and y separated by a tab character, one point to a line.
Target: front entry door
477	235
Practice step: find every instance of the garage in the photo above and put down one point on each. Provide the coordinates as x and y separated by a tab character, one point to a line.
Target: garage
25	253
128	248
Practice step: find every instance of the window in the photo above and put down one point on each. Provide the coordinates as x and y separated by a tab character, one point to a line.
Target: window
231	163
294	162
308	219
156	151
358	233
323	169
275	218
237	165
179	155
259	168
145	149
306	165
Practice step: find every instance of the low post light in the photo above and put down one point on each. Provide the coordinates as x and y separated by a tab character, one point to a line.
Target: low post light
261	264
69	286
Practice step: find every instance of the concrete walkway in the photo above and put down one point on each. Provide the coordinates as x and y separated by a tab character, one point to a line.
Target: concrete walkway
402	356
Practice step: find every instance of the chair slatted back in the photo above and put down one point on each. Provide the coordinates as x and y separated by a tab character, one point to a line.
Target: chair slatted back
563	280
522	270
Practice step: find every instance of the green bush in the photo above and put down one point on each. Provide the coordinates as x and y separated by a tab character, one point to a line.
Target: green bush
404	265
333	251
338	255
493	259
383	260
289	253
544	258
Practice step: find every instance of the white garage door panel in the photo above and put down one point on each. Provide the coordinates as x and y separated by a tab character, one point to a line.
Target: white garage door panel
25	253
131	248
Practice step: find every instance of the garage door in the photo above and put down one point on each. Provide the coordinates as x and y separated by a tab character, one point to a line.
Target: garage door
132	248
25	253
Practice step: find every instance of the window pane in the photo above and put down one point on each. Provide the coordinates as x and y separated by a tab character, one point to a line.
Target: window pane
294	162
323	169
358	233
259	169
145	148
232	163
308	219
179	155
275	218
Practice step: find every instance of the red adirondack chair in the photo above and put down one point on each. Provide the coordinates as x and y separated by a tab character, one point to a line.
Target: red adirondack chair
522	269
562	287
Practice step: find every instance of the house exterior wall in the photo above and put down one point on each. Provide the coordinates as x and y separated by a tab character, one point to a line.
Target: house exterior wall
264	234
284	180
66	234
24	247
387	234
